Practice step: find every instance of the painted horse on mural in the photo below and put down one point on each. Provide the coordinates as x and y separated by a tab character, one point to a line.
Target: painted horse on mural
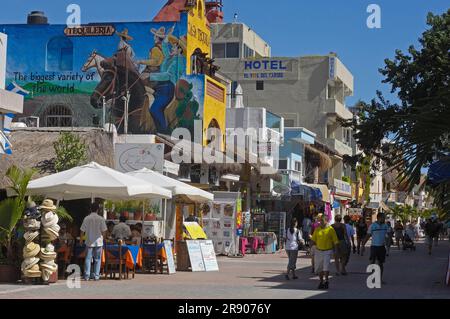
119	76
94	61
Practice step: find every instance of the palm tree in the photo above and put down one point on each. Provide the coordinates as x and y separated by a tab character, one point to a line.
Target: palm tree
11	209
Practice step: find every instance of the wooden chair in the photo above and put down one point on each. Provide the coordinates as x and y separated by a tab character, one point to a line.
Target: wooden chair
114	263
150	257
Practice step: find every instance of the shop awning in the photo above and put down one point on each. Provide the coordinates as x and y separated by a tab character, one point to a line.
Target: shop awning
308	192
324	190
342	198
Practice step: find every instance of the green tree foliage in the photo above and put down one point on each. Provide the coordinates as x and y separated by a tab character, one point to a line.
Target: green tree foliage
70	151
11	209
419	124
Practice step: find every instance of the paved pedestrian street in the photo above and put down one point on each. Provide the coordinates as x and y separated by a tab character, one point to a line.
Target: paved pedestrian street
408	274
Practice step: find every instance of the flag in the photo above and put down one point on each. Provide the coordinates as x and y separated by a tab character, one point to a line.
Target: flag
14	87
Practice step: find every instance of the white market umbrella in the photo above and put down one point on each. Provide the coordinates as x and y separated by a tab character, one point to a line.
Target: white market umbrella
176	187
95	181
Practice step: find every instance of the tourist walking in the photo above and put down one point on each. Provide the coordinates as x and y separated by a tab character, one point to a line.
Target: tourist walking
325	240
93	228
398	231
306	232
293	237
341	251
378	231
361	233
389	239
314	225
431	232
350	236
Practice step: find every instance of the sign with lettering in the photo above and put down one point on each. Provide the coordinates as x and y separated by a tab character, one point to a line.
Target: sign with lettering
90	31
269	69
332	68
342	188
209	255
195	255
170	260
133	157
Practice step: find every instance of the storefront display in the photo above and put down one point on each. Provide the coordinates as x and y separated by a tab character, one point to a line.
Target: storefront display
276	223
223	223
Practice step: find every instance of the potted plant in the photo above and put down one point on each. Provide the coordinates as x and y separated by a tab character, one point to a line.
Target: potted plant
11	210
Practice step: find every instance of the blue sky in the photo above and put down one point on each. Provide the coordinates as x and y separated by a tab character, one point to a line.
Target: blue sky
292	27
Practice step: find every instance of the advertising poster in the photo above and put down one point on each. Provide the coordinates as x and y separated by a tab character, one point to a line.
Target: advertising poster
170	260
195	255
209	256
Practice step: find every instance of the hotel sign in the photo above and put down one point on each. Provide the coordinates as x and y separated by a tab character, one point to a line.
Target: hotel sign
342	188
90	31
269	69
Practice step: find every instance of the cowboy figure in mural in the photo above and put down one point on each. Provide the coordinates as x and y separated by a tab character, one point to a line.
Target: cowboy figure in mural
124	45
160	88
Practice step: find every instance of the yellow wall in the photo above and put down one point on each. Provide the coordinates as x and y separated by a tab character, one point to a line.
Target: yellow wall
214	109
199	33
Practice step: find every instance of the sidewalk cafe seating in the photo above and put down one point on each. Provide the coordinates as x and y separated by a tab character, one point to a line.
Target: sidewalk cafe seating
115	262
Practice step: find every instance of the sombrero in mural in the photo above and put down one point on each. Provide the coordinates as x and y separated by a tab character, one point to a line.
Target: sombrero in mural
160	33
124	34
181	42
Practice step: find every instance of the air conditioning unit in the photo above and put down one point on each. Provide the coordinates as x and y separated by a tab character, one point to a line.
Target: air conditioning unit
30	121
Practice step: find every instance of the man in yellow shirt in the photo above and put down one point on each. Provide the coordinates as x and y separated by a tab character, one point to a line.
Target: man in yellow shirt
325	239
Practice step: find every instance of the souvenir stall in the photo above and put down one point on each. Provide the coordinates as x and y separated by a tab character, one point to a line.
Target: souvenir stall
223	222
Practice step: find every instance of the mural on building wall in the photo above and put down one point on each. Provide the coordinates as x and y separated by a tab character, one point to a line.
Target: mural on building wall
71	72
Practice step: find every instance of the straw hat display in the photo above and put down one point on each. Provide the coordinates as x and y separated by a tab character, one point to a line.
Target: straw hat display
29	236
29	263
31	224
49	219
33	272
47	205
48	265
31	250
48	253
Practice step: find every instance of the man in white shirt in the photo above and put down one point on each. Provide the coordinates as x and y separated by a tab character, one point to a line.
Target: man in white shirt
93	229
122	230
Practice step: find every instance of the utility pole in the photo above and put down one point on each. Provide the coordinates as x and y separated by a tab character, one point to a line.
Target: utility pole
127	100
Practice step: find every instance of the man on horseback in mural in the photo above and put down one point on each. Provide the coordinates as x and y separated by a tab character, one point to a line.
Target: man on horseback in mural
160	89
124	45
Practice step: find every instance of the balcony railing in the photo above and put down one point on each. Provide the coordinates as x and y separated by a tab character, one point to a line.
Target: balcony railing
333	106
339	147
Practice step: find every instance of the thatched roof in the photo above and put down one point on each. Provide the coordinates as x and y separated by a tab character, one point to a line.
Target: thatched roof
33	148
318	158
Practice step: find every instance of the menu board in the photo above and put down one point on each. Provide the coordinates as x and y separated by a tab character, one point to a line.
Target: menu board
170	261
195	255
209	255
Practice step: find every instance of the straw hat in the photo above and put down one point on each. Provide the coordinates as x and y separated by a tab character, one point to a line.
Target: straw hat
30	236
50	266
181	42
48	253
51	233
31	224
31	250
124	34
33	272
49	219
28	263
47	204
160	33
